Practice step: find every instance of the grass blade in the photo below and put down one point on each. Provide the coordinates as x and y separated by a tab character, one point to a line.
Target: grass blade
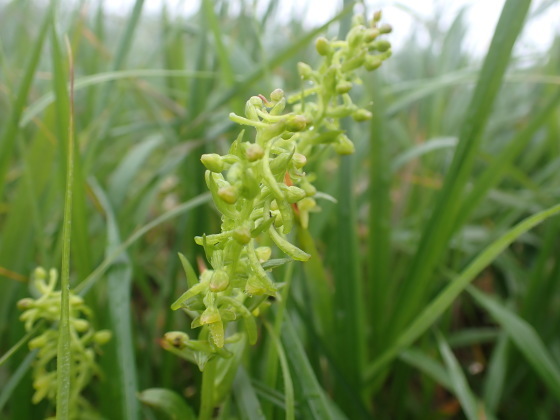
10	130
64	352
119	281
168	402
442	224
458	381
526	339
444	300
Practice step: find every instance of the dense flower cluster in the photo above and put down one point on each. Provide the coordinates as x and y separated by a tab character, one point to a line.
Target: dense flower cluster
45	309
261	189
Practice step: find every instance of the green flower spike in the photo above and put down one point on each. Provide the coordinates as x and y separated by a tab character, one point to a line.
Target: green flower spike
261	190
84	341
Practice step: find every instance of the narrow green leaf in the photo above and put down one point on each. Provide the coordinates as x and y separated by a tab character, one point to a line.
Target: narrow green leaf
445	298
64	351
458	380
246	397
89	281
119	282
312	396
288	384
10	129
442	224
168	402
526	339
427	365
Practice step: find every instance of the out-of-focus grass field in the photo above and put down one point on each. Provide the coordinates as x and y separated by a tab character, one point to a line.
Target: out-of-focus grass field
426	297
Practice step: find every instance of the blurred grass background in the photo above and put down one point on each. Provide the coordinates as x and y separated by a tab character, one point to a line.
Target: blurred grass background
460	150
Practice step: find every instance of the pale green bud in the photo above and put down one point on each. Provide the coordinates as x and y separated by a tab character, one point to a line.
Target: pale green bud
38	342
219	281
362	115
296	123
370	34
294	194
343	87
309	189
323	46
242	235
213	162
344	146
263	253
81	325
177	339
385	28
382	45
377	16
102	337
210	316
299	160
354	62
229	194
254	152
372	62
304	70
25	303
276	95
355	36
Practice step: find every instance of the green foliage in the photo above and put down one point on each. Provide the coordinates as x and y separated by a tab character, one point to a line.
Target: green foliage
443	221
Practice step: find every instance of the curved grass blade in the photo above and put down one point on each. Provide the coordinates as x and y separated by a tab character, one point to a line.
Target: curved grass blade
168	402
443	221
88	282
459	383
246	397
288	384
119	281
445	299
525	338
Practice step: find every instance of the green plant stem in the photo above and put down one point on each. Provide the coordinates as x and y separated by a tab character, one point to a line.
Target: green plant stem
207	398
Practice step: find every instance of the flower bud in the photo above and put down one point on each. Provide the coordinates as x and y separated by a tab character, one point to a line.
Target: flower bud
40	273
242	235
213	162
102	337
254	152
210	316
377	16
372	62
385	28
263	253
382	45
81	325
353	63
362	115
309	188
25	303
38	342
177	339
299	160
370	34
219	281
343	87
296	123
276	95
355	36
304	70
344	146
294	194
323	46
229	194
